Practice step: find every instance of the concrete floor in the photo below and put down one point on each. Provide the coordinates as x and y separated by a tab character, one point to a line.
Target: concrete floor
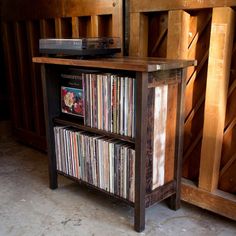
29	207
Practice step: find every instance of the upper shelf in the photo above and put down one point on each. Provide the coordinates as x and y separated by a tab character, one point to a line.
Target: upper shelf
121	63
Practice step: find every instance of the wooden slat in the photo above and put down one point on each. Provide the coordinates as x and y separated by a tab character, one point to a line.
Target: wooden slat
178	29
75	27
163	5
140	150
23	75
221	42
58	27
47	28
138	34
171	132
94	26
219	202
32	38
9	63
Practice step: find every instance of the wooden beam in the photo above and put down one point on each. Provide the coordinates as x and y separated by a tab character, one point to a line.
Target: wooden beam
75	27
218	201
178	29
221	43
138	35
94	26
163	5
58	27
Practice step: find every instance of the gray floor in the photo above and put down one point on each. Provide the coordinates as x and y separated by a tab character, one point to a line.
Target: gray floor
29	207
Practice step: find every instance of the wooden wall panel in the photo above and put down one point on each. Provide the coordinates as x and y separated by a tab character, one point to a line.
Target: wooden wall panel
198	152
24	23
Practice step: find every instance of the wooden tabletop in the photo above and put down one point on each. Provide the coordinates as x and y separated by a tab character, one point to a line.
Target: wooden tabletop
147	64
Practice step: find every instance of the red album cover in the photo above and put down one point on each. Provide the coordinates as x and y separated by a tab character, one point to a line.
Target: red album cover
72	101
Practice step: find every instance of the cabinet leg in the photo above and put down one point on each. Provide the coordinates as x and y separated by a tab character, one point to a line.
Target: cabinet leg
174	202
53	181
139	218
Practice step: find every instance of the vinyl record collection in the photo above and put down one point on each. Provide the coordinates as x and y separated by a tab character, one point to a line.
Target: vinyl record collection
103	162
110	103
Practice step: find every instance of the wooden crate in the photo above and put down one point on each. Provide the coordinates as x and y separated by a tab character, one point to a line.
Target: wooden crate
23	23
202	30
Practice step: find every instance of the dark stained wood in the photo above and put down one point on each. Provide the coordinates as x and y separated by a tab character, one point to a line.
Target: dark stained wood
157	39
30	138
51	98
123	63
88	185
160	193
10	57
22	67
140	150
33	32
144	195
70	121
175	199
150	139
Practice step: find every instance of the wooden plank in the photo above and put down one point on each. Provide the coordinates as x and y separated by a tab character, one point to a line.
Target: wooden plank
219	202
221	44
23	75
51	98
178	34
138	35
175	199
137	6
94	26
75	27
89	7
58	27
32	38
171	132
160	193
145	64
140	150
159	143
9	64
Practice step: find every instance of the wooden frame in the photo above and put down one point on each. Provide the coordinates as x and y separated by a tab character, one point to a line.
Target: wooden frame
210	137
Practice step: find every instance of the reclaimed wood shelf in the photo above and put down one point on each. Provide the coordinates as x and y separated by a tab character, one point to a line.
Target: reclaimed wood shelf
155	79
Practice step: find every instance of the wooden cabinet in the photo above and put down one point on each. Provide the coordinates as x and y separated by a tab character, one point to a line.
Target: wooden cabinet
159	121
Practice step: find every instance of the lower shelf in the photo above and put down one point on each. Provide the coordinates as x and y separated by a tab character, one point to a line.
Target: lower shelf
81	182
151	198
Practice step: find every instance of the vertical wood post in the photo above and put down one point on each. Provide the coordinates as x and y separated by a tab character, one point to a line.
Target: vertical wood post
140	149
51	90
178	30
138	34
75	27
221	41
94	26
175	199
58	28
177	48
